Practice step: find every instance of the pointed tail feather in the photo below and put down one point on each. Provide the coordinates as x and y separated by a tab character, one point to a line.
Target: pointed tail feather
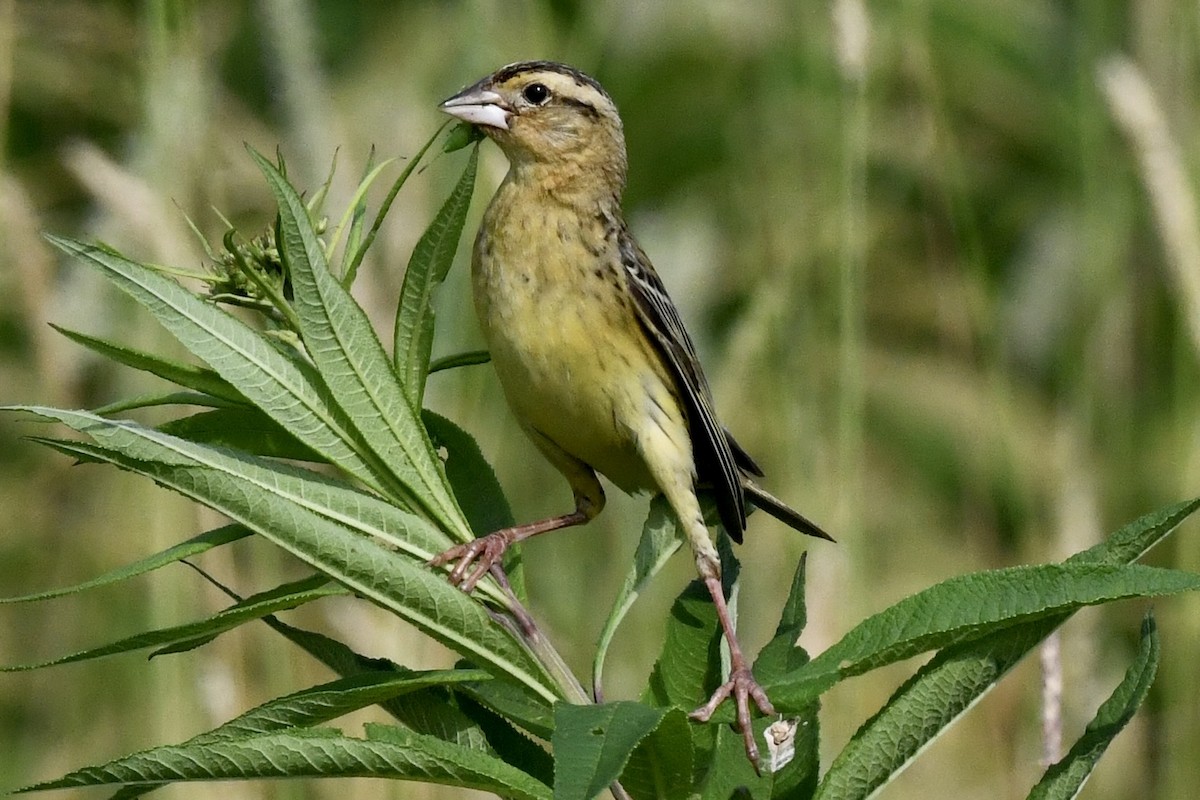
783	512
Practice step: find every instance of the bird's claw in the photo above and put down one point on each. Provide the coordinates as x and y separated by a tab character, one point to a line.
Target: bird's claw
473	560
742	687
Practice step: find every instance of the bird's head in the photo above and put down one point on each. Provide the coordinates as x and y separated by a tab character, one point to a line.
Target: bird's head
548	114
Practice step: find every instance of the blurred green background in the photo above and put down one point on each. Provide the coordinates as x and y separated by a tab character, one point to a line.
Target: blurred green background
942	260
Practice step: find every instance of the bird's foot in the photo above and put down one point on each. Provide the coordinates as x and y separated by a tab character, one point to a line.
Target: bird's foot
474	559
743	688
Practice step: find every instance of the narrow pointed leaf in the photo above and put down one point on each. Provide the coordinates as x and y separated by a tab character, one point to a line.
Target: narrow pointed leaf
252	608
468	359
200	379
516	703
192	547
923	707
971	606
783	654
472	477
1065	779
477	488
316	753
958	676
344	533
507	740
351	268
660	540
1134	540
260	478
427	268
347	353
287	389
331	700
242	428
164	399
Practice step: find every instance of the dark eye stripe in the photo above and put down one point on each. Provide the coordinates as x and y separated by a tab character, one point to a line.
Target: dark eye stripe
582	105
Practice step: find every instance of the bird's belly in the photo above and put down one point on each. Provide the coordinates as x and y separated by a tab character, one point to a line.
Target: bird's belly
570	382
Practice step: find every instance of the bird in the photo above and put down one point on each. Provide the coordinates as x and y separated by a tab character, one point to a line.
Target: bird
591	353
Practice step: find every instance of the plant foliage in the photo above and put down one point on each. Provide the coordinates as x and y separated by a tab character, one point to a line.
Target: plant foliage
312	438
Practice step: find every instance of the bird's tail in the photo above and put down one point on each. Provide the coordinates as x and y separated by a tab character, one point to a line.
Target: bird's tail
781	511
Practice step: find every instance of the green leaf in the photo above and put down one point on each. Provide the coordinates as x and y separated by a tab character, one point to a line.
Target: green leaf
924	706
1064	779
955	679
163	399
312	753
506	740
662	764
243	428
660	540
261	478
476	487
514	702
470	475
252	608
351	268
343	533
688	666
782	654
688	669
785	774
349	357
470	358
460	136
330	652
430	261
792	774
1134	540
496	732
968	607
435	711
192	547
287	389
730	774
355	213
204	381
331	700
592	744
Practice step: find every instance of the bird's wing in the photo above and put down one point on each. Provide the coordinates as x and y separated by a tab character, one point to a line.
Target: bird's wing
715	462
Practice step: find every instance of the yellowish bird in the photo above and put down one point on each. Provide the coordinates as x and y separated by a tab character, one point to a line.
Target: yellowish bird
592	355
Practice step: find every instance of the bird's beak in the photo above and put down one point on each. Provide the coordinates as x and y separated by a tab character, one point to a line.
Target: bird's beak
479	107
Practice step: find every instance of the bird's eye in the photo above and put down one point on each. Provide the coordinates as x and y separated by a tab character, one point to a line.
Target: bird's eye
536	93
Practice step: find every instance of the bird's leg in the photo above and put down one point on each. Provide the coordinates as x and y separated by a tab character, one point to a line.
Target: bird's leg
741	684
477	557
480	556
